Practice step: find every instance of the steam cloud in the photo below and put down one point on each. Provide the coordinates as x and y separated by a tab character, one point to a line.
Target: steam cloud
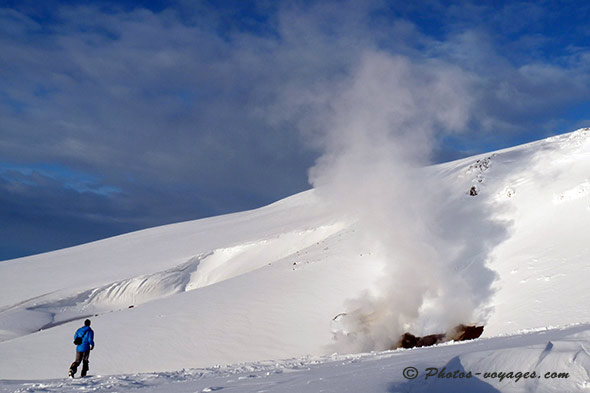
377	138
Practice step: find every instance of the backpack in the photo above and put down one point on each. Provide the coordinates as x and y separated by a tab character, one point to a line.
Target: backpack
78	340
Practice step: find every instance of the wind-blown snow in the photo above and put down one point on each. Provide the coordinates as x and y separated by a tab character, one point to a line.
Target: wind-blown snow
266	284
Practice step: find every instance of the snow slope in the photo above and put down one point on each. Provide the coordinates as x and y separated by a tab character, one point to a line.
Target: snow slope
266	284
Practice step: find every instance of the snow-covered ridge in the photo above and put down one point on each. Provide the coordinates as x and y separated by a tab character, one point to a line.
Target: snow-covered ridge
199	271
266	284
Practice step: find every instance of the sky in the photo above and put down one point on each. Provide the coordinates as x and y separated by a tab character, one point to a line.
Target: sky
119	115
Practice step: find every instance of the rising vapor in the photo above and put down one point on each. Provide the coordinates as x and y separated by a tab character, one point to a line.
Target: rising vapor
377	136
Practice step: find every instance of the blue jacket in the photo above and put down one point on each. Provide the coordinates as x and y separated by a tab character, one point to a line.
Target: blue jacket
87	339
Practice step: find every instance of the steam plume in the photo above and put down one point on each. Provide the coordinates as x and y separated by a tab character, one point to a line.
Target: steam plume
377	138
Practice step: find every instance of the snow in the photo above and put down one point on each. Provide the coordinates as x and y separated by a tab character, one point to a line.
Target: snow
501	362
220	303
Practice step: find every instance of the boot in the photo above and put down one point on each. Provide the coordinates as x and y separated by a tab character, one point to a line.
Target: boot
73	369
85	369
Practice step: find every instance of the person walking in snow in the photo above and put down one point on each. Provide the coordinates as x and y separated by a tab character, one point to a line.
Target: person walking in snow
84	340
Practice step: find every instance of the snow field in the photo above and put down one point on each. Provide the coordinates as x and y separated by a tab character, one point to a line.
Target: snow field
266	284
557	357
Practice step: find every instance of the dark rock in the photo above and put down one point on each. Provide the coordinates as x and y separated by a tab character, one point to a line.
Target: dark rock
466	332
408	340
459	333
432	339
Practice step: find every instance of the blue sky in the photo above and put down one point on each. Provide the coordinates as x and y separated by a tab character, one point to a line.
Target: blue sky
117	116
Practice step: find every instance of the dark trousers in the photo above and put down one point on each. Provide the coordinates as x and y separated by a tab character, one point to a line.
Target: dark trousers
81	357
